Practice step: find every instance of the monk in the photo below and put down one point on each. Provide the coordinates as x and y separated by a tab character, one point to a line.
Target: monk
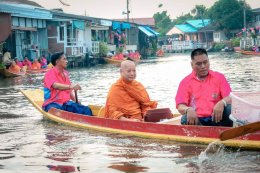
36	65
128	99
14	67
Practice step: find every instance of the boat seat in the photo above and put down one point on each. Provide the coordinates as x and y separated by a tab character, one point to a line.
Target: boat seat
101	112
97	110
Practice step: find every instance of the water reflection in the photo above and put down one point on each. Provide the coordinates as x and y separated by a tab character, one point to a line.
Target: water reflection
30	144
128	167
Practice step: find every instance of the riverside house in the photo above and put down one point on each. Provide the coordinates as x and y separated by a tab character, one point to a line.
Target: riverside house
24	30
192	34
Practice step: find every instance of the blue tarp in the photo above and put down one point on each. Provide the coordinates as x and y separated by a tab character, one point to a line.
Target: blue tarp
116	25
126	25
79	24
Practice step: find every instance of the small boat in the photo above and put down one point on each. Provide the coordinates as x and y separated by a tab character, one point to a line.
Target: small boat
36	71
8	73
160	53
175	132
244	52
113	61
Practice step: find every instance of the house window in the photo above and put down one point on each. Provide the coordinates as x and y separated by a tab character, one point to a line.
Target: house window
216	35
257	18
71	35
61	34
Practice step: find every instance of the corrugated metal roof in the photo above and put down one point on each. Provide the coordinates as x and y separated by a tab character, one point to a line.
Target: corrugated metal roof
144	30
28	11
152	31
198	23
186	28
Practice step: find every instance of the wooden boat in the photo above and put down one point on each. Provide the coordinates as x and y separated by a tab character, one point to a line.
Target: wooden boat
179	133
8	73
36	71
160	53
244	52
113	61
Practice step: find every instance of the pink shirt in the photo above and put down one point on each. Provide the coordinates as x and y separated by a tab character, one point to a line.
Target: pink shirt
43	62
27	63
19	63
202	95
57	96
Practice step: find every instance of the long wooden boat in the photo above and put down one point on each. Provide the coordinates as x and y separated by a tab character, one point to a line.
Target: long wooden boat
113	61
118	62
8	73
36	71
244	52
179	133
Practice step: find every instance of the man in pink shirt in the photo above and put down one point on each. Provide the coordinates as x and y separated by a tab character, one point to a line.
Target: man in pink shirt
203	96
58	88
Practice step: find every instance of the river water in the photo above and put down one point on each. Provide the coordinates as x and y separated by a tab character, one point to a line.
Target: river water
29	143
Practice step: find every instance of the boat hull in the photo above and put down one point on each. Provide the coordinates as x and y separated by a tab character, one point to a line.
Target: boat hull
7	73
113	61
37	71
180	133
250	53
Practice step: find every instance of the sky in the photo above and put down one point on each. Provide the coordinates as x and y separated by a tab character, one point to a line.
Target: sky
113	9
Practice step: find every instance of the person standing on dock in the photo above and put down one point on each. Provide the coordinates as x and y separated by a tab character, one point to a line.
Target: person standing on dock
203	96
58	88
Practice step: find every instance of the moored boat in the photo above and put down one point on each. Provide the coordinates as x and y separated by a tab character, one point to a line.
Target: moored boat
113	61
160	53
36	71
9	73
180	133
244	52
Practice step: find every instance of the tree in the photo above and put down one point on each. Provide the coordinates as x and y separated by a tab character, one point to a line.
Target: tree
162	22
200	12
227	15
182	19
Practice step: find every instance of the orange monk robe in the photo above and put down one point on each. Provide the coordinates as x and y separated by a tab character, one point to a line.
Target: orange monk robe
128	99
36	65
15	68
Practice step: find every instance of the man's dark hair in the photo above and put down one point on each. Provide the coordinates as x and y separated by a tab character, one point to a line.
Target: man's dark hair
55	57
199	51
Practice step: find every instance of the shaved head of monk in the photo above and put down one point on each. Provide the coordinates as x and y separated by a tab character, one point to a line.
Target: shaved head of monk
128	71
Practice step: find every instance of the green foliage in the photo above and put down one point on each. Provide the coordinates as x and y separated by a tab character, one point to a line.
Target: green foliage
183	18
235	42
2	66
103	49
219	46
162	22
119	50
200	12
227	15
